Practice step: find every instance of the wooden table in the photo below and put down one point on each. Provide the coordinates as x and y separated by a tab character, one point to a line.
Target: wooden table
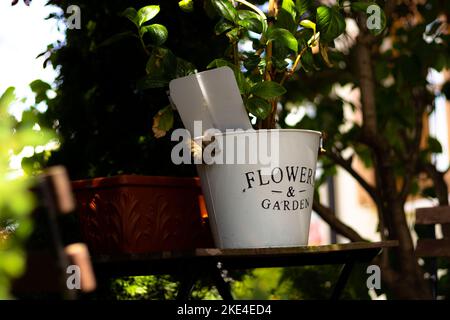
192	265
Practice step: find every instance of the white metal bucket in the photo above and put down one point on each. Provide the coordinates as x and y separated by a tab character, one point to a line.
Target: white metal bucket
254	206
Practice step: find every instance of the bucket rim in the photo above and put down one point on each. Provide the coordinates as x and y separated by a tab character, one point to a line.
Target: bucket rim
319	133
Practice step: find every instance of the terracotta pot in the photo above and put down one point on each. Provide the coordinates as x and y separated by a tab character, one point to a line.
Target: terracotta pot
136	214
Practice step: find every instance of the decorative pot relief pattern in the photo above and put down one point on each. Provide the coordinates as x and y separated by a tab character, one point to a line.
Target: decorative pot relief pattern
140	220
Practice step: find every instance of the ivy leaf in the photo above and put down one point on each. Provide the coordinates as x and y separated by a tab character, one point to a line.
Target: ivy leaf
158	33
267	90
147	13
330	23
260	108
225	9
302	6
284	37
186	5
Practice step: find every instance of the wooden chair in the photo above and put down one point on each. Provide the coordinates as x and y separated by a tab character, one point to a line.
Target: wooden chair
49	254
432	248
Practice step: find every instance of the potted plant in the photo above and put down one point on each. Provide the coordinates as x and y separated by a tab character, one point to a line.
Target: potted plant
249	208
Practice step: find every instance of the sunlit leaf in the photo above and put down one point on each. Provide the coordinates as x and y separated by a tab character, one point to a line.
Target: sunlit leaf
283	37
330	23
186	5
147	13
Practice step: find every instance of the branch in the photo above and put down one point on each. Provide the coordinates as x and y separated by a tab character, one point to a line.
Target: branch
366	82
346	164
329	216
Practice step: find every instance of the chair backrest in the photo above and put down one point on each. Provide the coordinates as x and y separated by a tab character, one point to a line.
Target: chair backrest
48	255
432	216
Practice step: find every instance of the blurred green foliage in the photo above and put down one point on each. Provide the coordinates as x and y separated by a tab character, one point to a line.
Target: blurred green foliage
16	199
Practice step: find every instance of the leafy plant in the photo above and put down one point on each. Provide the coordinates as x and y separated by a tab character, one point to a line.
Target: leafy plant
16	200
283	42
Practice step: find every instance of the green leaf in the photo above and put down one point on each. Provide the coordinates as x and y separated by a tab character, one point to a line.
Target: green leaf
233	34
260	108
6	99
289	6
243	85
186	5
162	64
268	90
303	6
184	68
132	15
284	37
163	122
330	23
147	13
166	119
307	61
40	89
252	21
252	61
434	145
158	33
225	9
217	63
308	24
285	21
324	53
222	26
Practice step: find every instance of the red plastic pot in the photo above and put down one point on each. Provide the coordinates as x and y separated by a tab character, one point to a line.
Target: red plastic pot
136	214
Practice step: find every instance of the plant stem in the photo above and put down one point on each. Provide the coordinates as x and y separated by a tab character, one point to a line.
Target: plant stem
288	74
236	54
252	6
